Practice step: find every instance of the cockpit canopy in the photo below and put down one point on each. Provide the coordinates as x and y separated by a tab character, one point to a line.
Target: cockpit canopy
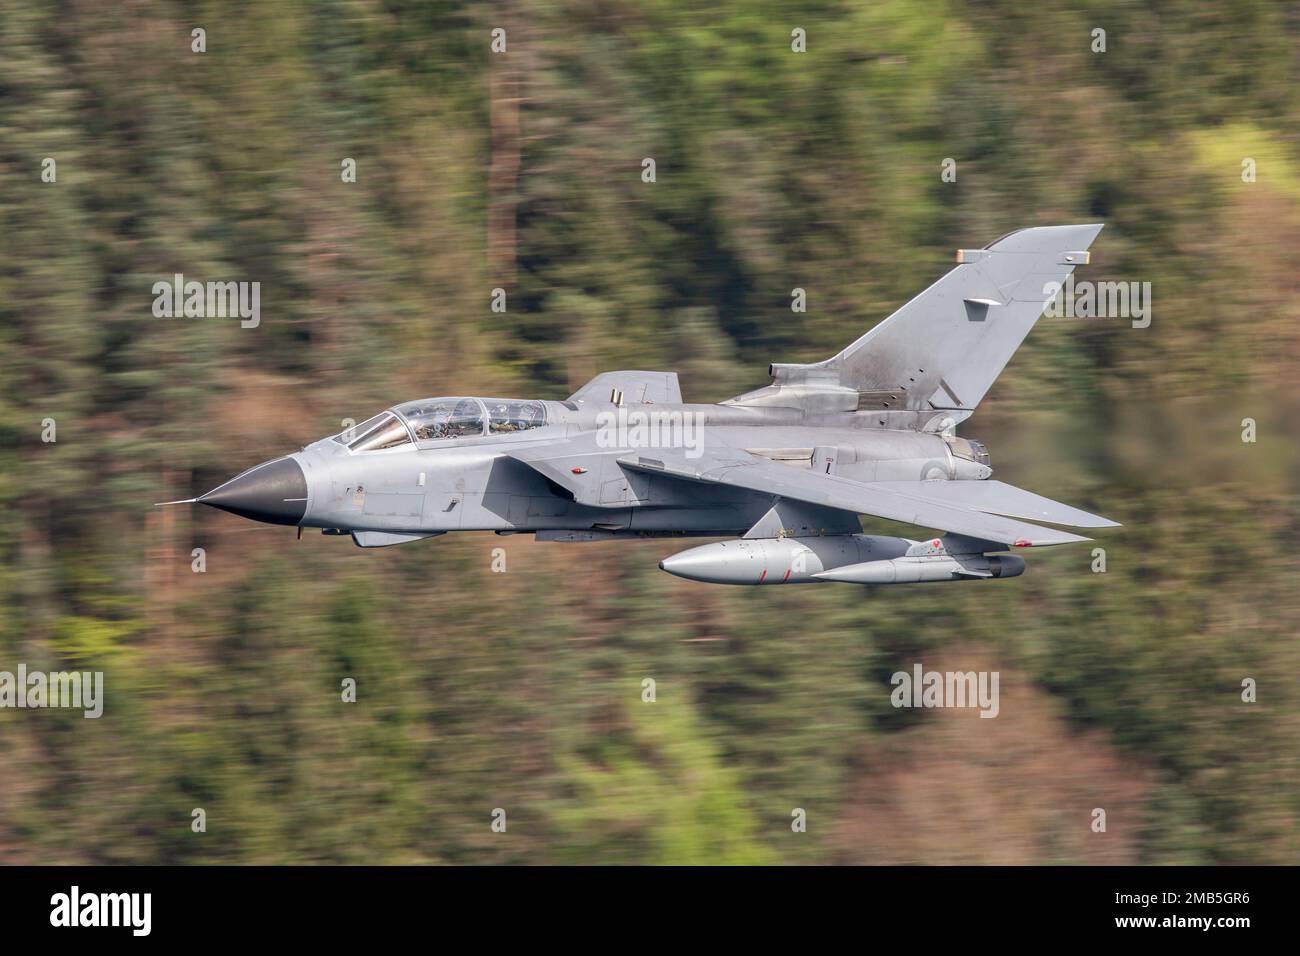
435	419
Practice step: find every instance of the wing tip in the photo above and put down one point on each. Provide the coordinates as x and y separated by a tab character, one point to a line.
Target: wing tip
1091	522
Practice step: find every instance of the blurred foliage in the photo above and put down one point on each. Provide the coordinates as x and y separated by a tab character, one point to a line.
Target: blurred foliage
521	690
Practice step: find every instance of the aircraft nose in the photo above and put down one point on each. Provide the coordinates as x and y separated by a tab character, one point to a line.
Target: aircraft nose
274	492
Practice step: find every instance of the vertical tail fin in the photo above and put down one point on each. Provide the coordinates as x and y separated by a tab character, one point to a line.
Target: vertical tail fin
946	347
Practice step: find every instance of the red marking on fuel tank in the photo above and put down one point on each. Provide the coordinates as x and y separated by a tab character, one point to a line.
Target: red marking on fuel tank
761	576
787	575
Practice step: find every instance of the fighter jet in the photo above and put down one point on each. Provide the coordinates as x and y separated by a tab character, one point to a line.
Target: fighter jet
784	472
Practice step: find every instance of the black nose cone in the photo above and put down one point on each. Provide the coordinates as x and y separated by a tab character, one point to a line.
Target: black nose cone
274	492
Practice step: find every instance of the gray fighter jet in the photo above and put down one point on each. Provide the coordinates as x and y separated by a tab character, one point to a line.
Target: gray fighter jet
784	471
